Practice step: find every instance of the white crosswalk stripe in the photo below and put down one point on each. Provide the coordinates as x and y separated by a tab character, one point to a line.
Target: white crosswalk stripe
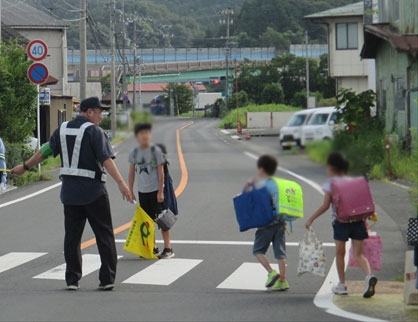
249	276
12	260
91	263
163	272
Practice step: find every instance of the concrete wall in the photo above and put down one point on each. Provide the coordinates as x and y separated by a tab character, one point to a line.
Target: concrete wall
93	89
265	120
357	84
56	39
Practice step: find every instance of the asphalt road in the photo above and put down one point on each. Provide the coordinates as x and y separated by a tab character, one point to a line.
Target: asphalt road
216	281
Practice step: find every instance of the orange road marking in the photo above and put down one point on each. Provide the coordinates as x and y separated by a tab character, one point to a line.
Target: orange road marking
179	190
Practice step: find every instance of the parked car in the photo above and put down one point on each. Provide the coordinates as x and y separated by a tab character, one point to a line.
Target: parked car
290	135
320	126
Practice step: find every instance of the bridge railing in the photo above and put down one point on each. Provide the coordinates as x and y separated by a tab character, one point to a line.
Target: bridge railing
161	55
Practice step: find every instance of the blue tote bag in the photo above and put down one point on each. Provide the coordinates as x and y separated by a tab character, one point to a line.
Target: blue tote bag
253	209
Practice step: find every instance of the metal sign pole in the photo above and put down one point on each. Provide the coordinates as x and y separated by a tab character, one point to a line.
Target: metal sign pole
38	124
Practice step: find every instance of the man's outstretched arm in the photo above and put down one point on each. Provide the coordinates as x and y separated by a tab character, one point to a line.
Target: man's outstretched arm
111	168
34	160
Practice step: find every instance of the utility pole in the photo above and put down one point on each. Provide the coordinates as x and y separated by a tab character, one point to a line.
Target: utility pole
172	100
123	54
0	21
228	13
140	109
307	69
134	78
83	49
113	67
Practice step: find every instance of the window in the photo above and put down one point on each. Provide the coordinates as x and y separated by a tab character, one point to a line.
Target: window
297	120
319	119
347	35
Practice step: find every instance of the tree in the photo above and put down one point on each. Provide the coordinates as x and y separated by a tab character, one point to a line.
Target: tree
242	100
272	94
17	95
254	78
182	96
273	38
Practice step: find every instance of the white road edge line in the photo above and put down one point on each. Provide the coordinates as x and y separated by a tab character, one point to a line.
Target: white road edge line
30	195
220	242
324	298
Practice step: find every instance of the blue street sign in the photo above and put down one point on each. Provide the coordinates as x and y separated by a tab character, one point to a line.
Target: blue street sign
38	73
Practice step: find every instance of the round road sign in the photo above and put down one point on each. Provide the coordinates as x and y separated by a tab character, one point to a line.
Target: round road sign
37	50
38	73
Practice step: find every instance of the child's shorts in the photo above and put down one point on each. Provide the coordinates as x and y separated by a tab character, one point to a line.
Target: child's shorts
275	234
354	230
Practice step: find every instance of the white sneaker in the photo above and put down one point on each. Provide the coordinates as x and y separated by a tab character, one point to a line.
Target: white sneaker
371	282
340	289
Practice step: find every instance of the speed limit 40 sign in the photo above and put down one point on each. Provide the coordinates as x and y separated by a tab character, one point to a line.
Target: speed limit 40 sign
37	50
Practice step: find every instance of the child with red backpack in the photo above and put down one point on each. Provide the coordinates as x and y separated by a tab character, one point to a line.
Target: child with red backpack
351	203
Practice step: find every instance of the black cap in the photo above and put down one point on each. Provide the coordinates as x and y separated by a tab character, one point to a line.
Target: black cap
92	102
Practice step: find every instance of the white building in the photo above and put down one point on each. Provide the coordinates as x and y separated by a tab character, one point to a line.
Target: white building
345	41
33	23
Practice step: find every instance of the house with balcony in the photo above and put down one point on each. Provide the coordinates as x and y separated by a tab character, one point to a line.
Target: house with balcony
344	28
391	38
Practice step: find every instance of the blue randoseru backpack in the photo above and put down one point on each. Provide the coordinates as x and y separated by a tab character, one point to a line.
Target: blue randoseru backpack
253	209
170	200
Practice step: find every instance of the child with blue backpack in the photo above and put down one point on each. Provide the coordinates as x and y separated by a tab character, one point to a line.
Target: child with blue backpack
273	232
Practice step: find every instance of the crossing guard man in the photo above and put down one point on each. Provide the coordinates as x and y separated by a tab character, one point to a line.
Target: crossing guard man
85	153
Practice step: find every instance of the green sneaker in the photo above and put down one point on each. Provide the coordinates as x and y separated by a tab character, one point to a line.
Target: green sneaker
281	285
272	277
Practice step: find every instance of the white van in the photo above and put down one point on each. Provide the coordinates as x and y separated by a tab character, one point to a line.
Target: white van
290	135
320	126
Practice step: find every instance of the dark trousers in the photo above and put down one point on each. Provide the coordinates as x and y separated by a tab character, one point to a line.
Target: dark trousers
99	217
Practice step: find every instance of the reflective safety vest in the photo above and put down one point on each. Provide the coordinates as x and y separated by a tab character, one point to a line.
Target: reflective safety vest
73	169
290	198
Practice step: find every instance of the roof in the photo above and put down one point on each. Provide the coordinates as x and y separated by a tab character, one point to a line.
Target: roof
350	10
159	87
23	15
376	33
8	34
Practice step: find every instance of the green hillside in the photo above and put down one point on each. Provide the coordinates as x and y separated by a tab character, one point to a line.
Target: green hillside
186	23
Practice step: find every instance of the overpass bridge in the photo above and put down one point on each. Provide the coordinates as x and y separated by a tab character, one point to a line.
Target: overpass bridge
166	60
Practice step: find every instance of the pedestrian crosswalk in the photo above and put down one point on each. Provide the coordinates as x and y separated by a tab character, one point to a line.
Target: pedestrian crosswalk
12	260
91	263
163	272
158	273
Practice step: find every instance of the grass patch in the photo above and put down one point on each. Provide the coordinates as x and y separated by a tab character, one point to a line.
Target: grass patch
51	163
231	117
119	138
319	151
28	178
141	117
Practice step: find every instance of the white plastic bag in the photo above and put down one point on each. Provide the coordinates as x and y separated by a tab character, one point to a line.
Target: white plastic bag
311	255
